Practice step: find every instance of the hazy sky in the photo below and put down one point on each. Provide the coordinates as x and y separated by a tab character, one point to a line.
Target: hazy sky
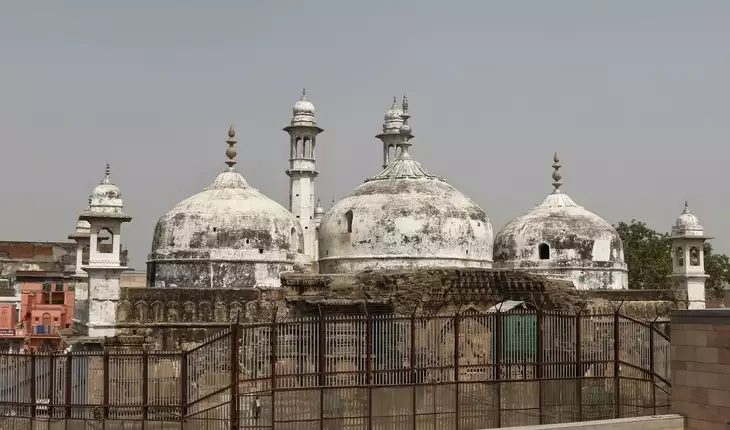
634	95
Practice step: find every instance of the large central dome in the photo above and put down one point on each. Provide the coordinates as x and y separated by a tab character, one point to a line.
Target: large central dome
228	235
404	217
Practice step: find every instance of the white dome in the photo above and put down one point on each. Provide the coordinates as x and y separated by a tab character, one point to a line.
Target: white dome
404	217
393	119
688	224
303	112
228	235
562	239
106	197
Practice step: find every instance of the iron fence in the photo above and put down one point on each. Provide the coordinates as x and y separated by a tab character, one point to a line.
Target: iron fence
462	371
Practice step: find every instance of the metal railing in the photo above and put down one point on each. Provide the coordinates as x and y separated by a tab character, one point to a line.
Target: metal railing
462	371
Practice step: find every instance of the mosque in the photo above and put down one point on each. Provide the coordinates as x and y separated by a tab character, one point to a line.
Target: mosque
231	237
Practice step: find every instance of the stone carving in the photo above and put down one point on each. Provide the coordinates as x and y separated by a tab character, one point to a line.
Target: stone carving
205	312
189	314
173	312
221	311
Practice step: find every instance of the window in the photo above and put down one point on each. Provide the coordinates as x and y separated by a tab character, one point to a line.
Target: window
544	251
694	256
59	287
348	217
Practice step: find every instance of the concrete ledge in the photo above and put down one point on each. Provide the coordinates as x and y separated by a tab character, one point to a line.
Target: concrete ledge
701	316
657	422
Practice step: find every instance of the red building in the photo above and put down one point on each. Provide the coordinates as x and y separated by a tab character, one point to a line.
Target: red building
46	306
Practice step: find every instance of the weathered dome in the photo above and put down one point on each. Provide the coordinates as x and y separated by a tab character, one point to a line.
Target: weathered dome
392	118
562	239
404	217
227	235
106	197
303	112
688	224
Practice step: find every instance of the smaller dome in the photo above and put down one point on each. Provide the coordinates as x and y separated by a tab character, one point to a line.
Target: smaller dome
303	112
393	118
688	224
106	197
319	210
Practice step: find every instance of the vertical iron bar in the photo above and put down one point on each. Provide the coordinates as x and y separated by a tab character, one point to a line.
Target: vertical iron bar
69	377
32	384
183	385
369	366
145	387
539	360
235	419
413	368
579	365
498	376
322	367
51	384
273	335
107	377
651	366
457	329
616	363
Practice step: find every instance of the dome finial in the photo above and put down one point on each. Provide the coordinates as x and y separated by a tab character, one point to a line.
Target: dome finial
686	207
107	172
89	200
231	151
405	103
556	174
304	94
405	132
395	102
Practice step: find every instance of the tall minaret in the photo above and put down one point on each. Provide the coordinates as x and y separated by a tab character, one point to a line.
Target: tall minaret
106	216
303	133
688	258
391	132
80	277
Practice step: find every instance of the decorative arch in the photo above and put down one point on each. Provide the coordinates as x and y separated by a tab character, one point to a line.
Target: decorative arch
221	311
189	311
348	217
205	311
142	310
158	311
173	312
543	251
124	311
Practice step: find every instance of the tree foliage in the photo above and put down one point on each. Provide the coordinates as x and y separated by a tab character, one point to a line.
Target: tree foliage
649	257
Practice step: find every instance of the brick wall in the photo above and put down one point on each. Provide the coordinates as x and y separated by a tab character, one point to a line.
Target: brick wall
701	367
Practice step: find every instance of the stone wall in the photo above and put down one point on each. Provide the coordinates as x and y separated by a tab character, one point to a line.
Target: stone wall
701	367
659	422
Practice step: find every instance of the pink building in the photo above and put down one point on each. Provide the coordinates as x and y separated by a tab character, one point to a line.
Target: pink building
46	306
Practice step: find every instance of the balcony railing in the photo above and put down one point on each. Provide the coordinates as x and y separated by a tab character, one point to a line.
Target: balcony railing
44	329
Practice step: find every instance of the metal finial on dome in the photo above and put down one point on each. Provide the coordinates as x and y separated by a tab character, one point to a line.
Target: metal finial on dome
405	103
304	94
89	200
405	132
231	151
556	174
107	172
686	207
395	102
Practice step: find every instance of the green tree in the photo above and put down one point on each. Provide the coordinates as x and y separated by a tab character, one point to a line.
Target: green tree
648	255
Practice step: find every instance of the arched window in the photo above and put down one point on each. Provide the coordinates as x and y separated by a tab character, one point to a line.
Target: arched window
544	251
694	256
348	216
680	257
105	241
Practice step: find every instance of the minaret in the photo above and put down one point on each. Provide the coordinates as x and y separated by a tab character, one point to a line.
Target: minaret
318	216
303	133
80	277
391	132
105	215
688	258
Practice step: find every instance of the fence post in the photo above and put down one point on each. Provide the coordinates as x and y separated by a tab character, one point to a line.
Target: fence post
369	366
539	360
579	363
322	364
69	377
51	384
617	362
145	386
235	421
32	383
457	346
651	364
498	370
273	335
412	376
183	386
107	377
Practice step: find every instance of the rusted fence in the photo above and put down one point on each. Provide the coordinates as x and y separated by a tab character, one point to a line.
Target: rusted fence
466	371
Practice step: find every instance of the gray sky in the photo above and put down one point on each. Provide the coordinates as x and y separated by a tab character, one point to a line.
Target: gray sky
634	96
